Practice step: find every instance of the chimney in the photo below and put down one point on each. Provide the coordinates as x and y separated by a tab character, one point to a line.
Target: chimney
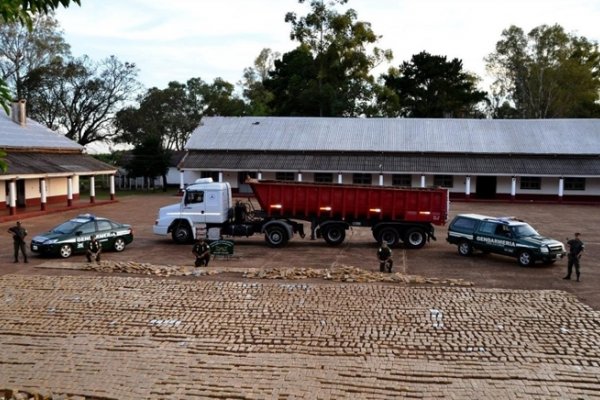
18	114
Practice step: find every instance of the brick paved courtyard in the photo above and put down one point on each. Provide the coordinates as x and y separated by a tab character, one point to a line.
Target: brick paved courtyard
144	338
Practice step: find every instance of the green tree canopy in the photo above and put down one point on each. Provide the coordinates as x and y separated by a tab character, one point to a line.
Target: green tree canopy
547	73
171	114
254	90
337	53
430	86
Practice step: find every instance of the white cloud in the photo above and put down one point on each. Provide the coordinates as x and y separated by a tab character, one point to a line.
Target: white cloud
181	39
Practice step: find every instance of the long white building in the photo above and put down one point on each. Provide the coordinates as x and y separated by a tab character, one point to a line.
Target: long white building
549	159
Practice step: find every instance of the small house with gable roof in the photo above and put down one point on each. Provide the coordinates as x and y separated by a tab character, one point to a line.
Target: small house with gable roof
44	167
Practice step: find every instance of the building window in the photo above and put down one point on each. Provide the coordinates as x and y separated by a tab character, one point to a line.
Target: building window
446	181
243	175
362	179
210	174
323	177
284	176
401	180
574	184
531	182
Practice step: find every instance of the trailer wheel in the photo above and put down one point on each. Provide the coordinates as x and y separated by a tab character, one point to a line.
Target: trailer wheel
334	235
182	234
276	236
390	236
415	238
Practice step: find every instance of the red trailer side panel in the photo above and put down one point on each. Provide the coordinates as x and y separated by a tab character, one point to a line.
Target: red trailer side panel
303	200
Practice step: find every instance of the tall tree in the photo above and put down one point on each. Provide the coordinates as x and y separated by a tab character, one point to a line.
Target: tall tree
23	50
547	73
149	160
294	85
431	86
344	54
171	114
254	90
22	12
80	97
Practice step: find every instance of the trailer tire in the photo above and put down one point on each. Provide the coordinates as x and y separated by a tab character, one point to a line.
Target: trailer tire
334	235
415	238
182	234
276	236
389	235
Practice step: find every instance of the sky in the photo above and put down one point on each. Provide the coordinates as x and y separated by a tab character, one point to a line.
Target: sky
175	40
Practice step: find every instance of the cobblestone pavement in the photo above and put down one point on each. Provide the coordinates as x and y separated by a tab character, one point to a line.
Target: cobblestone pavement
170	338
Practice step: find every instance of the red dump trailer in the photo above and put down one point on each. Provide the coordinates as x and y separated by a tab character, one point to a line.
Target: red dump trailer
395	214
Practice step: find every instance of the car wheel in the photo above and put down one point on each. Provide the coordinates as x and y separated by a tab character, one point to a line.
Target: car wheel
390	236
182	234
525	258
334	235
276	236
415	238
119	244
65	251
465	248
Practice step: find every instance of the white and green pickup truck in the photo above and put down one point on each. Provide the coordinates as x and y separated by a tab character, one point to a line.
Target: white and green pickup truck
503	235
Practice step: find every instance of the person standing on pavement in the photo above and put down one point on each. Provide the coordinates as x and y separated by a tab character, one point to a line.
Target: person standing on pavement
576	247
202	252
18	233
384	254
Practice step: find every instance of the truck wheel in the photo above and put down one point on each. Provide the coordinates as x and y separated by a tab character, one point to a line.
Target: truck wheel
182	234
334	235
65	251
525	258
415	238
465	248
390	236
276	236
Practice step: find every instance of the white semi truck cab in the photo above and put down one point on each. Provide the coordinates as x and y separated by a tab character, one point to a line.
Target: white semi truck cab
203	203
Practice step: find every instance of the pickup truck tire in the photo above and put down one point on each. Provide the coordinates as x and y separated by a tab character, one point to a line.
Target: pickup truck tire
276	236
415	238
182	234
525	258
390	236
465	248
334	235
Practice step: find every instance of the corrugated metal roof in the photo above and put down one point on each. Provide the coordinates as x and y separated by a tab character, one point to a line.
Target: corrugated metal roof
31	135
394	163
463	136
49	163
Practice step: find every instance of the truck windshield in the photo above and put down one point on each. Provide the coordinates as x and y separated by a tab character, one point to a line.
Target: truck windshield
524	230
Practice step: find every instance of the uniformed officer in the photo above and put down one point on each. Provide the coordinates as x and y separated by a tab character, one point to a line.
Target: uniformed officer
94	249
201	250
384	254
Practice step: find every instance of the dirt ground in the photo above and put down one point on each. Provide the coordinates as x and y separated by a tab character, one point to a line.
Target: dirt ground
437	259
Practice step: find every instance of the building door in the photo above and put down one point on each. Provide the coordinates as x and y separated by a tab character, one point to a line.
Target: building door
486	187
